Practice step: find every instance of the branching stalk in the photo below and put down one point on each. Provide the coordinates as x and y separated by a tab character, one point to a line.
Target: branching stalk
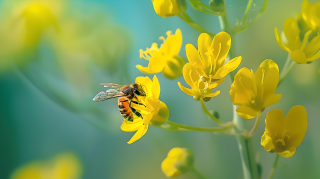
255	126
182	127
187	19
206	111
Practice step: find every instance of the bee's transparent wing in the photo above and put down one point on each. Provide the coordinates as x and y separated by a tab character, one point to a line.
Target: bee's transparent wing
110	93
112	85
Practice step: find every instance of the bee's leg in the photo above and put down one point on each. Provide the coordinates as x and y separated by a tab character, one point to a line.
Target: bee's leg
135	102
134	110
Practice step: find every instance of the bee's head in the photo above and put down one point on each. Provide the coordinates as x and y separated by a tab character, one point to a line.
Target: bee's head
138	90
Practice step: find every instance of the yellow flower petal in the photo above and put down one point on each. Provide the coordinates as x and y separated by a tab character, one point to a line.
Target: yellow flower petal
131	126
299	56
194	59
156	64
204	43
141	131
213	94
275	122
280	42
296	122
147	83
312	47
267	77
155	87
271	100
314	57
168	168
291	31
165	8
172	45
242	89
227	68
288	153
187	90
216	83
190	75
246	112
266	141
221	41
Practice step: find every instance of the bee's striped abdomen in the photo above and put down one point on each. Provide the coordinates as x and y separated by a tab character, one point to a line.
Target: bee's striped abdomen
124	108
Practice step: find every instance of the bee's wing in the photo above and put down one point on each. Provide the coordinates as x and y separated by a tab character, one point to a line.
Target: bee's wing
110	93
112	85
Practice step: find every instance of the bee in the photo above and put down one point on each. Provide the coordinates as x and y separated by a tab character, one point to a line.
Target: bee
126	95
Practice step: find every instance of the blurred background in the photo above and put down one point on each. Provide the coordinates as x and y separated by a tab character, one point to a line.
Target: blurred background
55	53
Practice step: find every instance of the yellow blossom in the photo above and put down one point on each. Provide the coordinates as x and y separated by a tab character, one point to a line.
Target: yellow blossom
253	92
209	59
299	51
63	166
165	58
284	135
37	17
310	14
167	8
153	110
199	87
178	161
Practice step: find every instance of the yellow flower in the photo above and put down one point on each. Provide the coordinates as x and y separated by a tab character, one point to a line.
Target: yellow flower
178	161
284	135
310	14
199	87
63	166
153	110
299	51
165	58
167	8
254	92
37	18
209	59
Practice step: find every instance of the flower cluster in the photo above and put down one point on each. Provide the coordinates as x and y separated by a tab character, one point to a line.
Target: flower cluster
304	51
206	68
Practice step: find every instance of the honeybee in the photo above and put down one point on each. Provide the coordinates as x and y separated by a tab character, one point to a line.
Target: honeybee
125	96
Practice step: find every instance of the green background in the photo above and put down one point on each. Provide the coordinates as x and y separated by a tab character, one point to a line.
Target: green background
41	117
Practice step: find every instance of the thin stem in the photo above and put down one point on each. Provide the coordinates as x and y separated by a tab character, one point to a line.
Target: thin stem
206	111
204	129
246	12
286	64
197	174
187	19
247	155
209	12
274	167
255	126
243	27
284	74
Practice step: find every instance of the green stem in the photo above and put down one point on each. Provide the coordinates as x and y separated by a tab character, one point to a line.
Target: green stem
206	111
255	126
286	64
209	12
192	128
197	174
274	167
246	12
187	19
227	27
249	166
285	73
243	26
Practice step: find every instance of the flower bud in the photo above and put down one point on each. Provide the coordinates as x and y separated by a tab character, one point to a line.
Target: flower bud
178	161
167	8
173	68
217	5
162	116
